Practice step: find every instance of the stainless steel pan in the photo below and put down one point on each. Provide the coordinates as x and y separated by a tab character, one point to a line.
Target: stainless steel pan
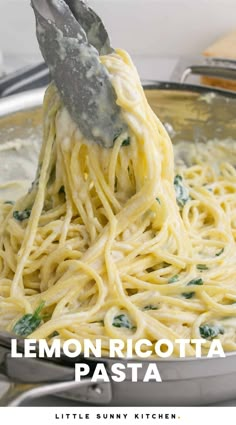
191	113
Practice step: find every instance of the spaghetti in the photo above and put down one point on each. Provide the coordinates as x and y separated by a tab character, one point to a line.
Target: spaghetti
114	243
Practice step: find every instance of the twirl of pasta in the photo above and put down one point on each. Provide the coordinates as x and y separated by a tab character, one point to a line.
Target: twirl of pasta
116	243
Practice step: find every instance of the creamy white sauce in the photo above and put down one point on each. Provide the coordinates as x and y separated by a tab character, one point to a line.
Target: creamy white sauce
19	159
208	97
213	152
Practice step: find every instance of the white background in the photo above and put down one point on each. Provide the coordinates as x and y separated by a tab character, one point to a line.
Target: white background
146	28
184	415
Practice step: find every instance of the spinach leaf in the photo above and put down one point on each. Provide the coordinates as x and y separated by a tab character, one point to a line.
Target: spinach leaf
150	307
174	279
126	142
21	215
210	332
182	192
202	267
220	252
9	203
188	295
122	321
29	322
196	281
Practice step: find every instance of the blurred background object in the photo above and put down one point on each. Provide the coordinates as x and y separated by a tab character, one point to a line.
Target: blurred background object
222	48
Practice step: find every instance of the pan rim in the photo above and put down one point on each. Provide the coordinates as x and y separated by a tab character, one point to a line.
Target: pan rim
34	98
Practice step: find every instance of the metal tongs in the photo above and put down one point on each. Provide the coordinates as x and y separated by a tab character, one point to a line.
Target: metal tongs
71	38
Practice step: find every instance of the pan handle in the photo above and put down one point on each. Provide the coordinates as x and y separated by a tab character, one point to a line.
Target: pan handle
214	67
23	379
83	391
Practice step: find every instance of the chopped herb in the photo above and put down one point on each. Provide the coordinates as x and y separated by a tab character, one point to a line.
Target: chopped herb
62	190
202	267
122	321
22	215
196	281
182	192
29	322
188	295
9	202
210	332
173	279
150	307
158	200
126	142
220	252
